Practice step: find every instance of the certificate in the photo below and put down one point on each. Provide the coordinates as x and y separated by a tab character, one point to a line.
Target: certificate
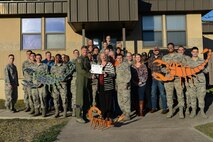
96	69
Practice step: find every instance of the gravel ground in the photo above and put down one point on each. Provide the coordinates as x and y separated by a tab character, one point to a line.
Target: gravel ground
21	130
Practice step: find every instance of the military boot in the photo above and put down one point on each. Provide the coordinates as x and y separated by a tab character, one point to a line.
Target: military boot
27	109
187	111
65	112
32	111
36	112
203	113
170	113
73	112
56	112
193	113
43	112
80	120
181	116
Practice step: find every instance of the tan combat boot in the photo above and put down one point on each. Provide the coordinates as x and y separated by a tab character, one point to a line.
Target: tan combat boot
36	112
32	110
203	113
170	113
44	112
73	112
56	112
187	111
193	113
181	116
65	111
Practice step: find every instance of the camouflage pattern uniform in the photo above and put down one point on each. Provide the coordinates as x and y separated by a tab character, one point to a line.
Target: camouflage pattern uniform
176	83
187	59
197	88
27	90
11	86
122	80
39	94
73	89
59	89
29	77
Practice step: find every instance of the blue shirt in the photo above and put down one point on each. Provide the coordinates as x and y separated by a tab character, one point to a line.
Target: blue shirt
48	63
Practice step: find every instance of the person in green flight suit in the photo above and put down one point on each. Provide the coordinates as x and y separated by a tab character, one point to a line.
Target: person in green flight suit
82	93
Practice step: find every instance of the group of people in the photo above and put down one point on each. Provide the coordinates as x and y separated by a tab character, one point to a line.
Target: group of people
126	86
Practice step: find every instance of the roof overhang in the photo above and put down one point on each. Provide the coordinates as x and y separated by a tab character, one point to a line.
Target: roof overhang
175	6
102	26
208	27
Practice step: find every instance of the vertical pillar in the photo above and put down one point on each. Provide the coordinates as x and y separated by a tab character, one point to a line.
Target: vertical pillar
164	32
124	37
83	35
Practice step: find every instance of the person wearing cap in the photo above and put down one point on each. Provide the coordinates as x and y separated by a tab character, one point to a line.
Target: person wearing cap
156	84
172	56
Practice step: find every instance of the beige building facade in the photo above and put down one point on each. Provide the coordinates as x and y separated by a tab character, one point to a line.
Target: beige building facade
141	37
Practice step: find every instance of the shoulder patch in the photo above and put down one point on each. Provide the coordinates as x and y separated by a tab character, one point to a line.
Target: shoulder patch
79	60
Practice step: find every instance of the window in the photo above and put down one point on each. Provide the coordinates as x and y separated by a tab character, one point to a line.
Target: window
152	31
55	33
176	29
31	33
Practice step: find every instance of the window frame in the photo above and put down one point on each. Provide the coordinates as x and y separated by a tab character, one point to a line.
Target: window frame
33	33
54	33
152	31
185	27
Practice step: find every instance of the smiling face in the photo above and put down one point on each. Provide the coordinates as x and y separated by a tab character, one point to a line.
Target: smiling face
76	53
138	58
119	59
195	53
57	59
32	57
84	52
171	48
38	58
48	56
103	57
129	57
181	50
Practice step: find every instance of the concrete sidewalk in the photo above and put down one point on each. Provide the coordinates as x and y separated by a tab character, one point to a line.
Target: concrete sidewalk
6	114
151	128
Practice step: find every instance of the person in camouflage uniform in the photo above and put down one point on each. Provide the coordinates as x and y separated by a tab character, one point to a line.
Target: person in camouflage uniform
73	83
39	93
59	89
11	84
197	86
82	93
32	98
186	59
129	58
123	77
172	56
27	90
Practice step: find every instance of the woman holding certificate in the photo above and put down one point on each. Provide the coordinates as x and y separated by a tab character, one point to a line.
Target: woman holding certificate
106	86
